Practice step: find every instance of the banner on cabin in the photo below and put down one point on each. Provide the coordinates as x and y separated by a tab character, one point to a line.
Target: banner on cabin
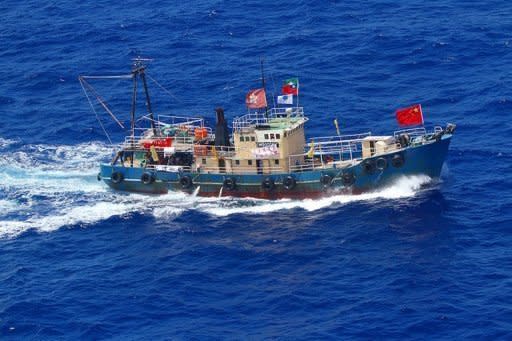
265	151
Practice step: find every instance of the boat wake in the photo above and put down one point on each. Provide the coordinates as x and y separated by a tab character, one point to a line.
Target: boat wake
405	186
46	187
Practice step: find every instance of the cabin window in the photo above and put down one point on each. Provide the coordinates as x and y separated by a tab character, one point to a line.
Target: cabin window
272	136
241	138
276	162
247	139
203	161
253	138
249	162
266	136
237	162
278	136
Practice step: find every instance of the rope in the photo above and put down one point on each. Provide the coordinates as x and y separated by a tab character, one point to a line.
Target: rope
101	101
164	89
95	113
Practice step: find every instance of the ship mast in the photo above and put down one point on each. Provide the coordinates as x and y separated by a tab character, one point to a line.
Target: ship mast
148	101
138	70
134	104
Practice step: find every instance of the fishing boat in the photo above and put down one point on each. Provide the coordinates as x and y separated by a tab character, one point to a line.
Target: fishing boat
265	154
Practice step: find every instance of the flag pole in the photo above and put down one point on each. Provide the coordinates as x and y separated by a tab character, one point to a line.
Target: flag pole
263	85
275	91
422	119
336	124
298	91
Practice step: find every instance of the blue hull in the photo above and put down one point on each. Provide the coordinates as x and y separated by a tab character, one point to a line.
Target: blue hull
425	159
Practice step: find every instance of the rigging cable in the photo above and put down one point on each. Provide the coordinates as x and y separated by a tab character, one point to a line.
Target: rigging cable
101	101
95	112
164	89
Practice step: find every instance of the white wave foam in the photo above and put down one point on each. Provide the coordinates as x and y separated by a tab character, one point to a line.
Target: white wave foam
166	212
105	207
7	206
56	157
44	168
73	216
56	183
404	187
4	143
107	204
57	186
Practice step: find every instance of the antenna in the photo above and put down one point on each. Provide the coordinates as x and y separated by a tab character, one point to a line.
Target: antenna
139	63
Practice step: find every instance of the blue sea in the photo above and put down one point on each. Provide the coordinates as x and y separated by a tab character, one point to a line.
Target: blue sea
421	259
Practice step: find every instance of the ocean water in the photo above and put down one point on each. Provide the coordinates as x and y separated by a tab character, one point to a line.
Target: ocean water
423	258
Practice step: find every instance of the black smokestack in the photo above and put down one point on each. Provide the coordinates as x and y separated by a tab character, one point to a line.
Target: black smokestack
221	129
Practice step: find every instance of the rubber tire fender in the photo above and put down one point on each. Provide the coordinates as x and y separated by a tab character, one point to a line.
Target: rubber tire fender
147	178
381	163
404	140
229	183
117	177
398	160
185	181
268	184
289	182
326	180
348	179
368	166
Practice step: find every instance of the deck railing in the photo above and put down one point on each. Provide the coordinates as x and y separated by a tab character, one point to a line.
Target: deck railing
339	145
419	131
336	144
140	142
214	151
170	126
319	163
254	119
169	168
243	170
181	120
173	120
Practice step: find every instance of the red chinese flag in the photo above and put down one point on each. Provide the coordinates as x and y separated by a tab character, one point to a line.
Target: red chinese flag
256	99
410	116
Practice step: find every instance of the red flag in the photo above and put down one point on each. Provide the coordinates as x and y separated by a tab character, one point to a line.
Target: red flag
290	86
256	99
410	116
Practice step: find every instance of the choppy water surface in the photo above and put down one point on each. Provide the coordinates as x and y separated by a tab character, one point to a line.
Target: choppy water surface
420	258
